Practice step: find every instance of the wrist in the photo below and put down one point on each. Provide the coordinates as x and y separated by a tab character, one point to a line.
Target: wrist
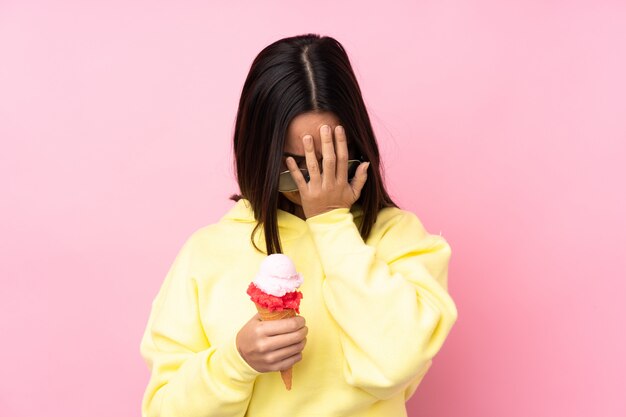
313	213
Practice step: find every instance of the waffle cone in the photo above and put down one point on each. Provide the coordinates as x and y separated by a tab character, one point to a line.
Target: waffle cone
267	315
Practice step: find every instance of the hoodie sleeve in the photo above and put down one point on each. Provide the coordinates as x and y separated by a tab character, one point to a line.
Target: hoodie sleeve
390	301
189	377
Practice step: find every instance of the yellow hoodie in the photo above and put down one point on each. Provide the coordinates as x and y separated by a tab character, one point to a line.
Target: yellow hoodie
377	312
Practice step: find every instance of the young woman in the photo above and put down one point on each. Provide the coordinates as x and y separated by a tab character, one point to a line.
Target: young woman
375	281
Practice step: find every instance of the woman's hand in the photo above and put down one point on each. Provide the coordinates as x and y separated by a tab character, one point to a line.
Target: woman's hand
329	189
275	345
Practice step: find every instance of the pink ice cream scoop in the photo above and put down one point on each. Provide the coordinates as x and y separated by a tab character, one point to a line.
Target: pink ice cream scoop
277	276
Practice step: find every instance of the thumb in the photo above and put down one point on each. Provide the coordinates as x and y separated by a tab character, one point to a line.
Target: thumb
358	182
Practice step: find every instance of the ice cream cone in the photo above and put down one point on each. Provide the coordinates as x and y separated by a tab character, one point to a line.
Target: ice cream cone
267	315
274	292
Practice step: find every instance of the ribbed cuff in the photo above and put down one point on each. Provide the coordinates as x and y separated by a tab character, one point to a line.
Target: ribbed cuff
335	235
235	368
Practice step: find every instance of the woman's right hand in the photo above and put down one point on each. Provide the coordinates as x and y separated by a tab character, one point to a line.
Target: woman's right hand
275	345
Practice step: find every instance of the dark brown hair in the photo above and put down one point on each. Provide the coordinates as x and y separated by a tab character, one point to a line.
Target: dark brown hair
289	77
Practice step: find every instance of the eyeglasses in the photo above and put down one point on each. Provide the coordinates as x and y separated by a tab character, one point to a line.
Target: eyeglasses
286	183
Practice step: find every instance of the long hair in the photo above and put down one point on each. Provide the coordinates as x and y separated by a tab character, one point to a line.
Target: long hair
292	76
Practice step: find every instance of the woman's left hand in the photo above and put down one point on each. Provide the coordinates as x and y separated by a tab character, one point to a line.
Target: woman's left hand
329	189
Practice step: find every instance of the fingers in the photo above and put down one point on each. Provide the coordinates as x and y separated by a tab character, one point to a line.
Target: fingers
282	351
286	352
358	182
287	363
334	157
311	160
267	353
328	154
287	339
328	186
296	174
278	327
342	155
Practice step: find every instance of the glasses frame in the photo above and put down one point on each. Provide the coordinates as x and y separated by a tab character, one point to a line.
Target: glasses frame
286	183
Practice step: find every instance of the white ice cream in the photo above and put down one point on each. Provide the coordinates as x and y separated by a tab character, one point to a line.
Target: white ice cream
277	275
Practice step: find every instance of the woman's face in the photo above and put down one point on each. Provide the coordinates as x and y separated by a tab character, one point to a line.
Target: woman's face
305	124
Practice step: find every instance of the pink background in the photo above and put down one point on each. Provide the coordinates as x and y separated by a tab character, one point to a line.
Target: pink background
502	124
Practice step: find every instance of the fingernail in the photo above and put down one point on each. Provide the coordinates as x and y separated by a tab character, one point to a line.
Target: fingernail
326	129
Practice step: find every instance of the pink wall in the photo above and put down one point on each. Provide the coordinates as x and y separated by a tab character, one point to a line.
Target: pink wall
503	125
